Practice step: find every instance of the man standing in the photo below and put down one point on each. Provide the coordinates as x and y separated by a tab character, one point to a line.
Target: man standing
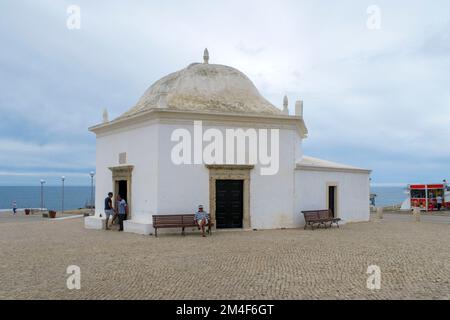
14	207
122	210
109	211
201	218
439	201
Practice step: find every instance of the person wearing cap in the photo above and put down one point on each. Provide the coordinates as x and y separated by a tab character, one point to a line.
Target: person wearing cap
201	218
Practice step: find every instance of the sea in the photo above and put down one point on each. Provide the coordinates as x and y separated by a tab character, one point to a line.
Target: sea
78	197
30	197
389	196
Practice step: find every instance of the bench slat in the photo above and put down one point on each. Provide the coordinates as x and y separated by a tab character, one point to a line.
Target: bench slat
319	217
177	221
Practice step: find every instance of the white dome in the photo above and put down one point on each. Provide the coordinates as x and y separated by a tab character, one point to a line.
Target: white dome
207	88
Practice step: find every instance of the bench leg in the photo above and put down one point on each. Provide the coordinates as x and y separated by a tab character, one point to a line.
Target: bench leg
156	233
182	232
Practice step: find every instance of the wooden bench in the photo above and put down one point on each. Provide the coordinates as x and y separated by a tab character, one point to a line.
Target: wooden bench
177	221
319	217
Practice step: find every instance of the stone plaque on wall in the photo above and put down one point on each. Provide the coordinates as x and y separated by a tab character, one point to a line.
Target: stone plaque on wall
123	158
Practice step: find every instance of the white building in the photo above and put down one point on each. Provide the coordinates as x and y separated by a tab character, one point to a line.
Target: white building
135	157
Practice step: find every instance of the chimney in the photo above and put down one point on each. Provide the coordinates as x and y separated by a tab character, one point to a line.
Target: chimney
299	108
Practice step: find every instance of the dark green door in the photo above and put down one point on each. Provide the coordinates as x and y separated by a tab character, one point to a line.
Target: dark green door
229	203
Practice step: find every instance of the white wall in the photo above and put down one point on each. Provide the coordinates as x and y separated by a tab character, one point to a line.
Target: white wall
140	144
271	199
161	187
183	187
353	194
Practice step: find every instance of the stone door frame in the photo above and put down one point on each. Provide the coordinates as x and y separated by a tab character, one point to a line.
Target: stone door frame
122	173
230	172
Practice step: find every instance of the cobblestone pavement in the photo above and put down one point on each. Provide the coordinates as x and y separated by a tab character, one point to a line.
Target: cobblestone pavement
433	218
282	264
8	216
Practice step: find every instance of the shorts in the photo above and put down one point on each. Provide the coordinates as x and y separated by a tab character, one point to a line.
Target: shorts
109	213
200	222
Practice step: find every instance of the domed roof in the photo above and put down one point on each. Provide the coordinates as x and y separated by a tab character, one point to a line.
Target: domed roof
206	88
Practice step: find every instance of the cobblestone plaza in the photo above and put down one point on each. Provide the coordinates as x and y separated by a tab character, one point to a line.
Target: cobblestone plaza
414	259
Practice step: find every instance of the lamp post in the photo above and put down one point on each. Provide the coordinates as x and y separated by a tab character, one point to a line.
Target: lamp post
42	193
92	174
63	178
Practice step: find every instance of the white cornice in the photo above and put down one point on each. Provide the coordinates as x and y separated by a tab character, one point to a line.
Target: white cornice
225	118
331	169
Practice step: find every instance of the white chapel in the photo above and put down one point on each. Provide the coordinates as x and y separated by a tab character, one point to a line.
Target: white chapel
205	135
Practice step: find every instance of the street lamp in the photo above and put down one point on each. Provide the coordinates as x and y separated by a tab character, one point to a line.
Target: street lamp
92	174
42	194
63	178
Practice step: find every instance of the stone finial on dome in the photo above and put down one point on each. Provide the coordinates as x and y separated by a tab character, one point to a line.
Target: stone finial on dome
206	56
105	116
285	105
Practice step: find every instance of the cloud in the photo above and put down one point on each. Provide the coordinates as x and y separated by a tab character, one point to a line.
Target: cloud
40	174
376	99
20	154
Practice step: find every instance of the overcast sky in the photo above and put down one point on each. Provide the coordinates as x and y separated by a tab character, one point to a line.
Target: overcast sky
374	98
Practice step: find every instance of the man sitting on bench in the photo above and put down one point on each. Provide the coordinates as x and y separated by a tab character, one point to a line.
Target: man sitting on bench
201	218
